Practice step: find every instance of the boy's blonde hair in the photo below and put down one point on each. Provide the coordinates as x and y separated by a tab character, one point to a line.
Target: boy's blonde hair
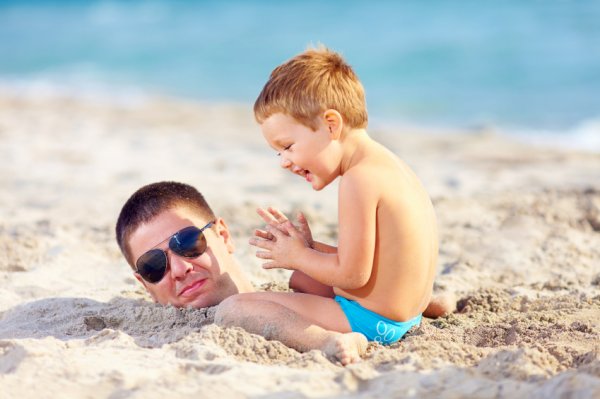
310	83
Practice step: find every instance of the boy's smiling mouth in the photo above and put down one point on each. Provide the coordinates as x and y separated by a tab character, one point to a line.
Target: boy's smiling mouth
306	174
301	172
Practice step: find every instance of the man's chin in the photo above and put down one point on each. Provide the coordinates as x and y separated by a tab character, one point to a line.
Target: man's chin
209	295
203	300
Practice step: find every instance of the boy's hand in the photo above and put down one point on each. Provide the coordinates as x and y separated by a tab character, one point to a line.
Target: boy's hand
273	217
284	249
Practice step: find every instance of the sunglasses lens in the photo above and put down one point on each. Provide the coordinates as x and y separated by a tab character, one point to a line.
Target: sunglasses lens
152	265
189	242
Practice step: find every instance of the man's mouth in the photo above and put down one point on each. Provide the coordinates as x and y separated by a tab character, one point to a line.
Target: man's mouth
191	289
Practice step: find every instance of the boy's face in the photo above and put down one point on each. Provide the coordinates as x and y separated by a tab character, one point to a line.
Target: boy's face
313	155
199	282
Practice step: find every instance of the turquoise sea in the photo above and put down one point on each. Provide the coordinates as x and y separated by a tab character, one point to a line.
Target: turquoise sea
526	67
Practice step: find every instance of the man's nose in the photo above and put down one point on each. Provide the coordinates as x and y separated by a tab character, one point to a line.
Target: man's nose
179	266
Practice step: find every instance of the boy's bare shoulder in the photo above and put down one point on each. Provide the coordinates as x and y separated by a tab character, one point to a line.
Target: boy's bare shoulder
358	181
379	174
363	170
366	176
377	166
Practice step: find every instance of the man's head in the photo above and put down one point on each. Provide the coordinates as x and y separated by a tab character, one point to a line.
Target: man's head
151	220
311	83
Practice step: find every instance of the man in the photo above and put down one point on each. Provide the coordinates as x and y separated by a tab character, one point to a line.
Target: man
178	249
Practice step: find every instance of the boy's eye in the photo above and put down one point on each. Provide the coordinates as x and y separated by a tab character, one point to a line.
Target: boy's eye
284	149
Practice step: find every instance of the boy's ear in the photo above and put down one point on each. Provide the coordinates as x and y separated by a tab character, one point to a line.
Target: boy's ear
334	122
224	234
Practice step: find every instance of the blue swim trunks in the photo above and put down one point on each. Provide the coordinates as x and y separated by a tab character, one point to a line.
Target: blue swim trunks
372	325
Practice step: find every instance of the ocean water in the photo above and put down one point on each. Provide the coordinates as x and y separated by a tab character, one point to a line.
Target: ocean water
531	68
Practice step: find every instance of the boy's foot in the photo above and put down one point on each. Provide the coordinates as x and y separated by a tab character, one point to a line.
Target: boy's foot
347	348
440	305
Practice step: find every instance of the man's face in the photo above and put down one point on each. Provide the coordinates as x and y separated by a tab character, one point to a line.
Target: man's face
200	282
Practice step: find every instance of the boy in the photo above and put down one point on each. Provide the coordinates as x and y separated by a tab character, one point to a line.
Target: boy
312	111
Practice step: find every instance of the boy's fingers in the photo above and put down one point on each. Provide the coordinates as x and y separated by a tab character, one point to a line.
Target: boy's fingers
260	233
264	244
274	230
270	265
302	222
291	229
266	216
263	234
271	219
278	215
264	254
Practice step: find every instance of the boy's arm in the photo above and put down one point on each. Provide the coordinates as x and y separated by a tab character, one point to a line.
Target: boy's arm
325	248
351	266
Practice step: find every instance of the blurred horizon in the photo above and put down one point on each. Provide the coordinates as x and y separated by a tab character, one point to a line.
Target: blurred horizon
526	66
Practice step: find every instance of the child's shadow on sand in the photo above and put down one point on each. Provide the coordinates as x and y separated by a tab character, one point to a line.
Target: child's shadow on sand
149	324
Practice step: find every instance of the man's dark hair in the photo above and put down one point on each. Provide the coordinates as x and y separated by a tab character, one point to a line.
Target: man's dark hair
151	200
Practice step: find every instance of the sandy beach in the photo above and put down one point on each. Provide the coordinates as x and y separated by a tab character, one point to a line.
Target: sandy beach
519	247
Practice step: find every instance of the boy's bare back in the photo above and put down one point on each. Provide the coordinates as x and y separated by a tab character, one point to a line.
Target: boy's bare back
312	112
403	231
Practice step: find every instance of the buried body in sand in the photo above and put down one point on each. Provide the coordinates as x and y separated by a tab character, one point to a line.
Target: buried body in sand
183	256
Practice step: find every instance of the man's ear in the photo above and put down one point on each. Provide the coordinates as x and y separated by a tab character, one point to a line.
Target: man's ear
141	280
334	122
224	234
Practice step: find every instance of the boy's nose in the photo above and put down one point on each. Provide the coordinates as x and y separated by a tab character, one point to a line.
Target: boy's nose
285	163
179	266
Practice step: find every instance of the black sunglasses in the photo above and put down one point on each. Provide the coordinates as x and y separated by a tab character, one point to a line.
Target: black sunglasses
188	242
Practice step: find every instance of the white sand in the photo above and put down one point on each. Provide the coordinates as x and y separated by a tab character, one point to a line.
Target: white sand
520	247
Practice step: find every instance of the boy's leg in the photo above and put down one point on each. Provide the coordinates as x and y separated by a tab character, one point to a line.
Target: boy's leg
300	282
440	305
300	321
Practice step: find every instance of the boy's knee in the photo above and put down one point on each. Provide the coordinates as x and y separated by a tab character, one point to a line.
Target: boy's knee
300	282
295	283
